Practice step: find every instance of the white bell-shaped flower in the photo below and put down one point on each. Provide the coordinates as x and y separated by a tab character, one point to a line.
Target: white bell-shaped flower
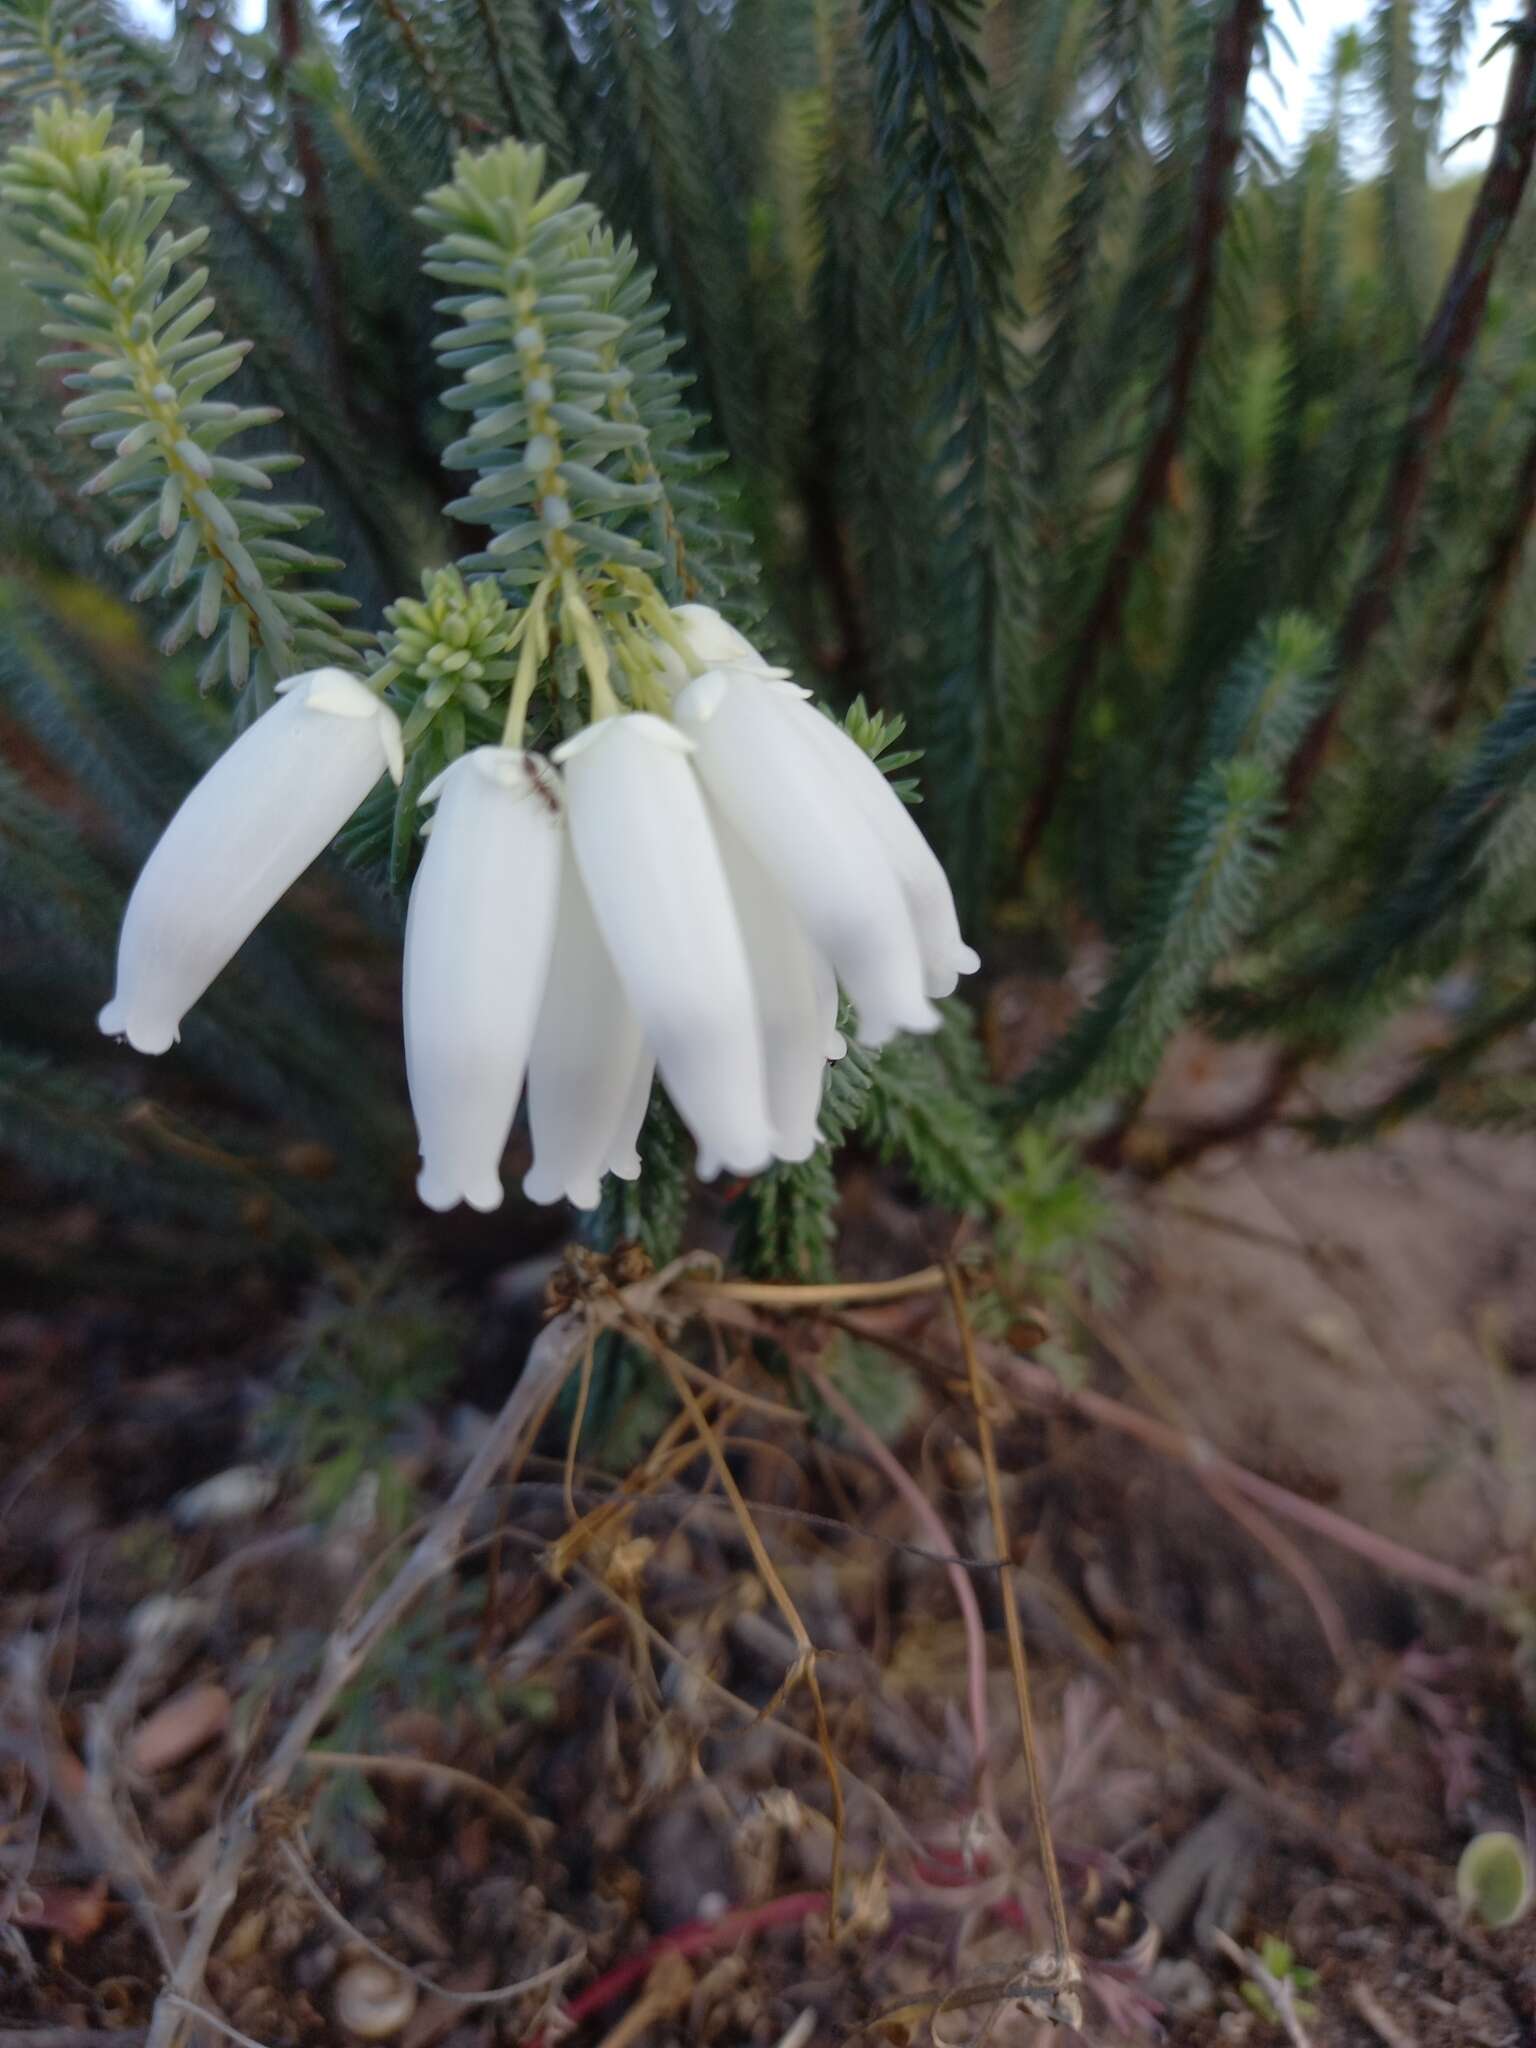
924	883
658	890
588	1063
267	808
791	997
712	642
478	938
788	802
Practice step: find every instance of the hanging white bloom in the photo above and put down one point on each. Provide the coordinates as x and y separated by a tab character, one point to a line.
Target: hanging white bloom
478	938
924	883
587	1066
658	890
712	642
791	997
779	790
264	811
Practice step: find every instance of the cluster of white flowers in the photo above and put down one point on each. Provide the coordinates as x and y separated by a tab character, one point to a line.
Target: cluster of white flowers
678	895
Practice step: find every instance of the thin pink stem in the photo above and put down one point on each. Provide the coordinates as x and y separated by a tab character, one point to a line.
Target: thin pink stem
932	1524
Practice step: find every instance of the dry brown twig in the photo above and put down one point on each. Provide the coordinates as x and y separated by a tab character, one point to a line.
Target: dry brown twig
1294	1563
296	1860
428	1769
220	2025
1041	1388
805	1666
1064	1973
93	1822
651	1309
928	1518
893	1826
1377	2018
553	1354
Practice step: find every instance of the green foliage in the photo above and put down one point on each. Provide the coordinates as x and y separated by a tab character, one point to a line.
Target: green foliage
48	46
785	1221
1460	873
878	733
932	1110
925	272
1204	891
653	1210
1493	1878
353	1391
1055	1223
139	354
935	137
1279	1962
548	439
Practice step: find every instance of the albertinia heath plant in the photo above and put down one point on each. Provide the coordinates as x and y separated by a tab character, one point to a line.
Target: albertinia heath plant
646	854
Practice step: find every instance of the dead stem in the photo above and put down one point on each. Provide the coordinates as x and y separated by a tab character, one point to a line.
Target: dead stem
206	2018
420	1767
1041	1388
1247	1515
578	1423
296	1859
1066	1969
895	1827
778	1591
928	1518
828	1294
553	1354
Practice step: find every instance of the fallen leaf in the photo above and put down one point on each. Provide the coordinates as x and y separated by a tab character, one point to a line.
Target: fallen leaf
65	1910
187	1722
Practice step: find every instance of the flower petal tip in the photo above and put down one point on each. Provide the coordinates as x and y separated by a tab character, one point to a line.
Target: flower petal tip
547	1189
741	1163
113	1021
443	1192
795	1149
879	1030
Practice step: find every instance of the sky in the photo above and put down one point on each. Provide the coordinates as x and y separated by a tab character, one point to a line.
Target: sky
1287	94
1309	27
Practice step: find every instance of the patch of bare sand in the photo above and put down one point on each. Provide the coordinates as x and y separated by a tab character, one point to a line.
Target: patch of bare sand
1360	1325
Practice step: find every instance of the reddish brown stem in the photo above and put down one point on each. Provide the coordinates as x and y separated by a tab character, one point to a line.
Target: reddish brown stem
1040	1386
1226	101
1490	594
431	77
324	268
1443	354
696	1937
1247	1122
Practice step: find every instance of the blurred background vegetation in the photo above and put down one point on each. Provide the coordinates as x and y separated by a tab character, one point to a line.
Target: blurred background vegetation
1172	486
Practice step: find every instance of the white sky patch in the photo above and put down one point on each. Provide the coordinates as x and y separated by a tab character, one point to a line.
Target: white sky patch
1296	85
156	14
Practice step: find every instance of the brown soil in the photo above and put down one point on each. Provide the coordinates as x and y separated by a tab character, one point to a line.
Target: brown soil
1359	1328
